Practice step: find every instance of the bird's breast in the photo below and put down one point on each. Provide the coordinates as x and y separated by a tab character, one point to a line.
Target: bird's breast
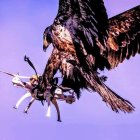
62	39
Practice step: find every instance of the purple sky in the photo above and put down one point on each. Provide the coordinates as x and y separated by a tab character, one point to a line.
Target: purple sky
21	28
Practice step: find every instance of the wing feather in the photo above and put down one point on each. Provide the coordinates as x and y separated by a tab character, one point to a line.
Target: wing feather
85	40
124	29
88	18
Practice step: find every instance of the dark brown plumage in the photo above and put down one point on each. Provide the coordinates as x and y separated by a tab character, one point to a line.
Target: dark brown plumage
85	40
124	29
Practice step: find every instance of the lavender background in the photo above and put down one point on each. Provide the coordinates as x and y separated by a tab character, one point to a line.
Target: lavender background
21	27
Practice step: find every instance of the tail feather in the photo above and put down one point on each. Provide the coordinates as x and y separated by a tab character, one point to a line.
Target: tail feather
95	83
116	102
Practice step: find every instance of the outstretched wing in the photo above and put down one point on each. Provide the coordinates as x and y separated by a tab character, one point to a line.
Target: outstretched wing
124	36
82	44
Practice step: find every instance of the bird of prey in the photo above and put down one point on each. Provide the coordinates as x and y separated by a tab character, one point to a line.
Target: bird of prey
85	41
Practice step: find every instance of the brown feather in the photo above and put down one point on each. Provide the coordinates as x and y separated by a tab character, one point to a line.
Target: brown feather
84	41
124	33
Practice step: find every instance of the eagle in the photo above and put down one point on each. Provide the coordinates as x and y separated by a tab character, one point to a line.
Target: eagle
85	42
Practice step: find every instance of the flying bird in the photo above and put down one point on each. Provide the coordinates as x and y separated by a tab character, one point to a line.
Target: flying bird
85	41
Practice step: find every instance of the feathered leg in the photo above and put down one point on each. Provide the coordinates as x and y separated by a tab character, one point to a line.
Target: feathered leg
52	66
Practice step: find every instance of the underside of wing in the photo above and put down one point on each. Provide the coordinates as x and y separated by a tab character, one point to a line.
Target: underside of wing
124	36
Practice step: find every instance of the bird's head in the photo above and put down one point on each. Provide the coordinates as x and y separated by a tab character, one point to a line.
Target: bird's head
47	39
